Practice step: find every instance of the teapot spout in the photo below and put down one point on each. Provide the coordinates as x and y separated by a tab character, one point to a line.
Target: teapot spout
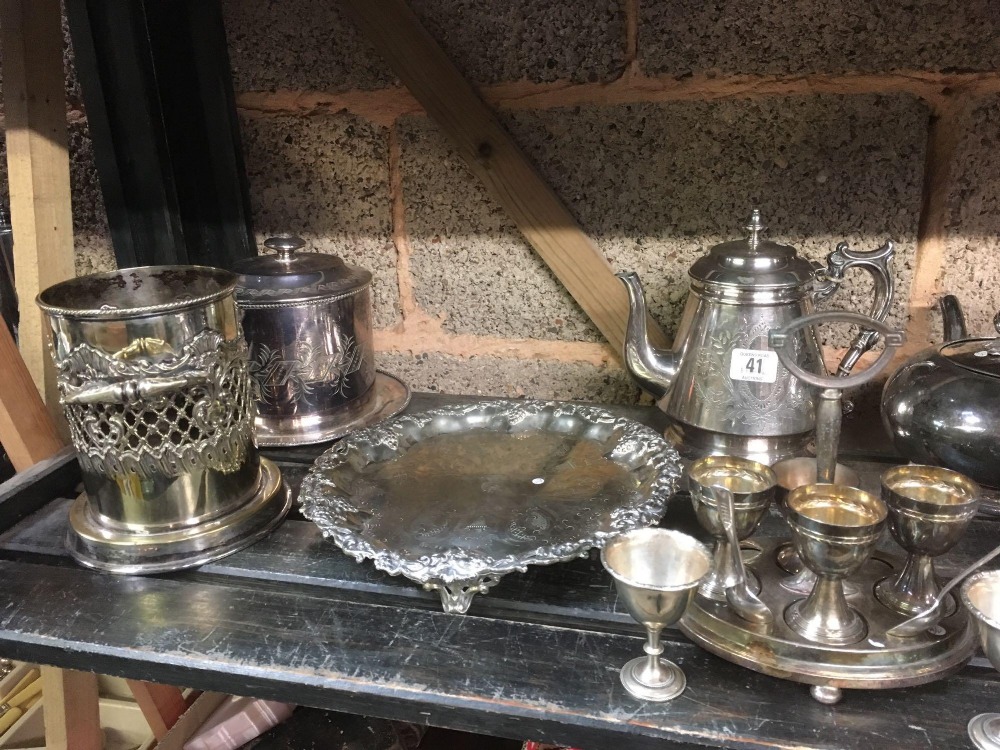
654	369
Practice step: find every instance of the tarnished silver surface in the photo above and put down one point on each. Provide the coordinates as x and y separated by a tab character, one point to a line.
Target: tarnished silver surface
981	596
457	497
134	551
878	661
835	530
387	397
829	415
929	510
720	385
931	616
741	598
307	320
188	408
753	486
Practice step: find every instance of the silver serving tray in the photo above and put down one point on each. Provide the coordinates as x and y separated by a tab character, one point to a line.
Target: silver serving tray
457	497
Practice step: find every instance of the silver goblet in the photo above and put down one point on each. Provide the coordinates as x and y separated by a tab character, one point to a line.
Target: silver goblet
752	486
792	473
656	572
981	596
929	510
835	530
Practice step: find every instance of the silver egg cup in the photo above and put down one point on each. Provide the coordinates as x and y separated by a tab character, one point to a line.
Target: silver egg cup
656	572
752	486
929	511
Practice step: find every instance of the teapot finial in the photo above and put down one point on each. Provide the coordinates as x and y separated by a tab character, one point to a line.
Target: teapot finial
755	227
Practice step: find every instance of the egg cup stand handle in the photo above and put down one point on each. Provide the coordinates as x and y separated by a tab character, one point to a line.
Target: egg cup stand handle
828	411
828	419
877	263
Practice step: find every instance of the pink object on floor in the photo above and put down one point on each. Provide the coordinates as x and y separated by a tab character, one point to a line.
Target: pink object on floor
237	721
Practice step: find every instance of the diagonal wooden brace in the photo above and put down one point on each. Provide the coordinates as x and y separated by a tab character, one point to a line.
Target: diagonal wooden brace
494	157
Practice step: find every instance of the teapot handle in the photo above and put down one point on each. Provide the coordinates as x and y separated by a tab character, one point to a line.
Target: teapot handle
876	262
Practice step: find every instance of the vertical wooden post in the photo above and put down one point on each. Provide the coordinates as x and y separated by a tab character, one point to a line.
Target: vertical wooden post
27	432
38	168
162	705
72	711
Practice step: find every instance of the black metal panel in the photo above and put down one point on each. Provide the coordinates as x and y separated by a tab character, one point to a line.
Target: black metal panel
161	110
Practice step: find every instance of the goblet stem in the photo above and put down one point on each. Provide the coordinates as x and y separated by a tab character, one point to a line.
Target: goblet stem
825	616
723	572
651	677
914	589
653	648
804	580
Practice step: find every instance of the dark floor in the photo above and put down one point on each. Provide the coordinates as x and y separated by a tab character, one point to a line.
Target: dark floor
313	729
446	739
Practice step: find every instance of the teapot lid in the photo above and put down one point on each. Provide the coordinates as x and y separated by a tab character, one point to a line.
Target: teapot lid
753	262
293	276
978	355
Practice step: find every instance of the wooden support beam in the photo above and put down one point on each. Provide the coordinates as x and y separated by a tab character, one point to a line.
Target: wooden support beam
27	432
495	158
72	710
38	169
191	721
162	705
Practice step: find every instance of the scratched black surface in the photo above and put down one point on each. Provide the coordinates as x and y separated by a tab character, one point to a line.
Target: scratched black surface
293	618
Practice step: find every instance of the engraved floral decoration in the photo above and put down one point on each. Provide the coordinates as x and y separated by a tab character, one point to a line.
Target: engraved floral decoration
745	403
290	375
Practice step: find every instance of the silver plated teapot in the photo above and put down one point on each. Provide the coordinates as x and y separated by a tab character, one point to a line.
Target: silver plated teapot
942	406
722	387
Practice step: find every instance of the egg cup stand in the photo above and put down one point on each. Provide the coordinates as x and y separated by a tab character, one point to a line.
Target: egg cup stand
878	661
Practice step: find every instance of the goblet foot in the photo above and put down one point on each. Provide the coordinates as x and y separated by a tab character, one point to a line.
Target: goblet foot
835	628
984	731
663	683
826	694
908	602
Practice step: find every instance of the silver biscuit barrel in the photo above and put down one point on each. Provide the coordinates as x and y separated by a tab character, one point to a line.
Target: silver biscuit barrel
307	318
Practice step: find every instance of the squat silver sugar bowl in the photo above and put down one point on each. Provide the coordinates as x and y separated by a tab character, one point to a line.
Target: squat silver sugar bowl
307	320
153	378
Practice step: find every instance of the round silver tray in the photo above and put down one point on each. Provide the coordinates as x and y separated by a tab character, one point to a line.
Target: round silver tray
457	497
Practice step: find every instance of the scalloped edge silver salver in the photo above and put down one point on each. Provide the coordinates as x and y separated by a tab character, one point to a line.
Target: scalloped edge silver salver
460	574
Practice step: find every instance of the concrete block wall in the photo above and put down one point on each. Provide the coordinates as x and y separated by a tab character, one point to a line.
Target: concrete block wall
660	123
